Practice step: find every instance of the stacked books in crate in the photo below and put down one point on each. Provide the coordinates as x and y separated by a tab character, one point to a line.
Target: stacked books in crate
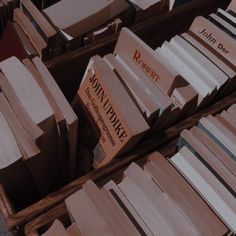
38	131
68	24
138	91
191	193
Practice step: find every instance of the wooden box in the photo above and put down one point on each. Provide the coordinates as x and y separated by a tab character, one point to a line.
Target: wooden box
68	70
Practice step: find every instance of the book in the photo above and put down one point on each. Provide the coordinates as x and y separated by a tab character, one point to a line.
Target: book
197	147
30	153
144	4
83	211
35	38
182	161
212	73
144	208
188	70
184	196
57	228
215	149
226	16
80	17
17	43
227	68
224	25
110	106
227	121
127	207
176	223
73	230
110	210
14	174
219	134
216	185
219	41
48	32
66	118
232	110
142	96
232	6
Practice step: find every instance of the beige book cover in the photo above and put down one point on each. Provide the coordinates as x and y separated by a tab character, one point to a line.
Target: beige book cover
83	212
28	92
111	109
130	47
216	38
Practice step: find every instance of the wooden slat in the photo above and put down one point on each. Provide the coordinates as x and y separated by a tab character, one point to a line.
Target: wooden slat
50	201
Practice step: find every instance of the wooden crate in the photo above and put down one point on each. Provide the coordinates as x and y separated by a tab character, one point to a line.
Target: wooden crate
17	220
68	70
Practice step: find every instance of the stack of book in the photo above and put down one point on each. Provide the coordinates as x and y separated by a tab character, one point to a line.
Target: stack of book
38	131
137	87
191	193
6	13
50	35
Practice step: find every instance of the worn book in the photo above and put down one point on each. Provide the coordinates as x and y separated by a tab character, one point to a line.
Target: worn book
219	41
215	149
112	110
200	150
192	206
227	68
222	136
169	214
184	161
83	17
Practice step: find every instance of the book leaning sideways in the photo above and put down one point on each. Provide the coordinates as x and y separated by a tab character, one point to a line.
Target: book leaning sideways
119	122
